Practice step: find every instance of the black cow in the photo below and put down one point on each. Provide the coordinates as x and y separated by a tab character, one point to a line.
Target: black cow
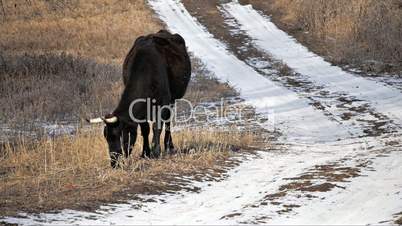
156	72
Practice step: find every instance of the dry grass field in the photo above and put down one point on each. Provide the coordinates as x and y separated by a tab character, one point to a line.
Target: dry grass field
53	87
366	33
103	30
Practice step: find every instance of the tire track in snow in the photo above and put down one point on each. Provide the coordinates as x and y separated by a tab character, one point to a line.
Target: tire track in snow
240	45
293	114
340	106
353	113
345	145
268	37
217	59
316	71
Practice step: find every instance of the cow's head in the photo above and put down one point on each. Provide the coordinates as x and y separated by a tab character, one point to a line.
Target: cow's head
112	133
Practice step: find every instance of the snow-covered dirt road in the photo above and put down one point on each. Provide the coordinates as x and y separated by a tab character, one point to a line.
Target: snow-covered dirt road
333	169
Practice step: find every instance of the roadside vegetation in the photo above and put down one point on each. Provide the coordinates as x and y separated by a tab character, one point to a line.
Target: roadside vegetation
362	33
74	171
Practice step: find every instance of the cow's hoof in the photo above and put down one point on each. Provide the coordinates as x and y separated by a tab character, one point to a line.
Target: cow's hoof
115	165
156	152
171	151
146	153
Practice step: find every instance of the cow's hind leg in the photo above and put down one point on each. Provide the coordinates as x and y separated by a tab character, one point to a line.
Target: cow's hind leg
146	151
168	142
156	148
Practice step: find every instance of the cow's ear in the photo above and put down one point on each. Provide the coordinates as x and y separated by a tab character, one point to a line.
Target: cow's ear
178	39
160	41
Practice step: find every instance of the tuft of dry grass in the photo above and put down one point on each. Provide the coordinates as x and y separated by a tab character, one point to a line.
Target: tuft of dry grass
34	176
284	70
398	221
354	32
